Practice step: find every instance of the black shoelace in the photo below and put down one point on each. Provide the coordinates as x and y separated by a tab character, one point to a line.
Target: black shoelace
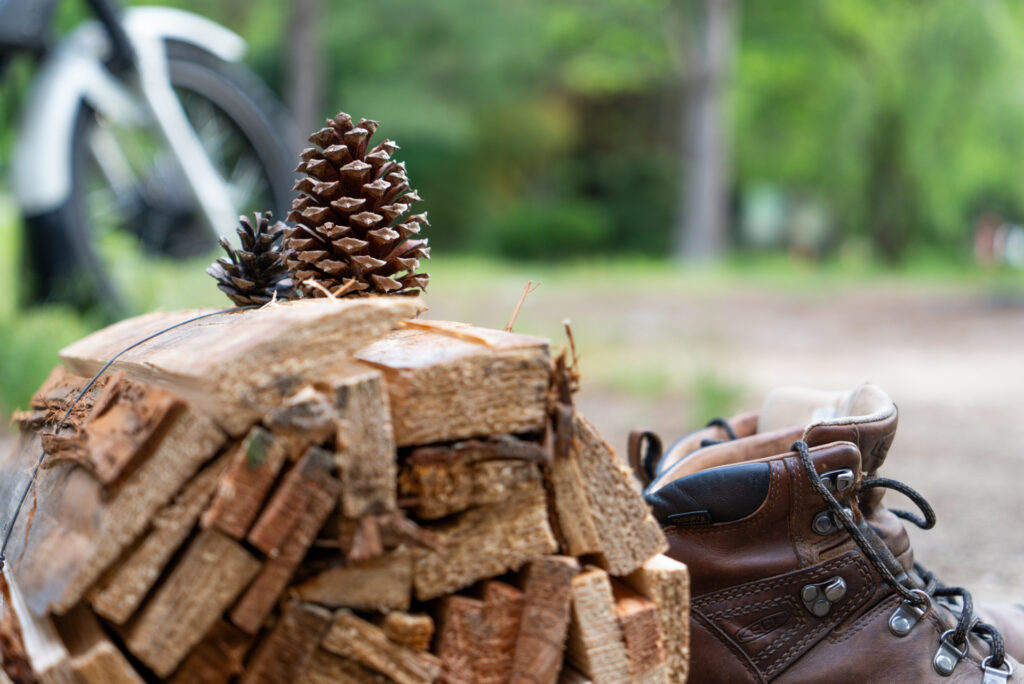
722	423
966	622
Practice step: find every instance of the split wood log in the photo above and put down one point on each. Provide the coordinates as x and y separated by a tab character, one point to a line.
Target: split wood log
366	542
485	542
285	533
217	659
666	582
287	504
439	489
599	509
503	612
124	422
449	381
120	592
46	653
237	365
641	630
365	446
353	638
596	645
53	398
283	654
547	597
383	583
94	658
76	529
414	631
212	572
327	668
255	465
460	639
308	414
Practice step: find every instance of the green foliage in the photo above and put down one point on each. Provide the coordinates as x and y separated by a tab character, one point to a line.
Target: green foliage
528	124
712	396
903	117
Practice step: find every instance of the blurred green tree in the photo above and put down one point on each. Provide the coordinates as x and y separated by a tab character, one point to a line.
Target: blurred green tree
547	128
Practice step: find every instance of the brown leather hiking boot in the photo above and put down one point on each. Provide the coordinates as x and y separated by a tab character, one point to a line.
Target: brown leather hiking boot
798	572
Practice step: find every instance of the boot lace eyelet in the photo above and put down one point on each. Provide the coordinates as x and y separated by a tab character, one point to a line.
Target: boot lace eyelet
996	675
947	657
909	614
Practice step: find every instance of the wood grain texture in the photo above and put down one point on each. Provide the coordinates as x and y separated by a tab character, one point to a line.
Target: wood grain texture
599	508
288	502
383	583
78	531
327	668
236	365
414	631
547	600
94	658
485	542
121	590
441	489
365	445
212	572
125	420
217	659
312	477
460	639
449	381
283	654
666	582
353	638
503	611
641	630
254	466
596	645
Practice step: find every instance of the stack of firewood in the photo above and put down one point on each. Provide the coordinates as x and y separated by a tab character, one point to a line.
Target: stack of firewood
328	491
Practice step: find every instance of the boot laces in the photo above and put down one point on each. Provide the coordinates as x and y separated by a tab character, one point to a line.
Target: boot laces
934	589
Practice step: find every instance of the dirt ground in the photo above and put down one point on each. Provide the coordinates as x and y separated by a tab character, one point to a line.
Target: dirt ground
953	360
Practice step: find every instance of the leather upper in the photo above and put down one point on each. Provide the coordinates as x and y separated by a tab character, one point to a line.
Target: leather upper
750	622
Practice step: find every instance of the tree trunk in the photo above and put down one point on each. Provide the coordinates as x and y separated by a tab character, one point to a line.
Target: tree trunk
701	216
305	75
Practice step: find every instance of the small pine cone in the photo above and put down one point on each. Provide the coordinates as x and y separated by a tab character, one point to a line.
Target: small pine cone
352	232
255	273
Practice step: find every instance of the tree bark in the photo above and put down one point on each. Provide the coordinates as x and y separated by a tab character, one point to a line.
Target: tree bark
305	75
701	216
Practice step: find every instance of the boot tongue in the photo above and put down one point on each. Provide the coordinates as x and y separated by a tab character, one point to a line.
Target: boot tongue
865	416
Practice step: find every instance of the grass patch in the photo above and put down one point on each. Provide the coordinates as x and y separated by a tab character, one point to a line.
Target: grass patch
712	396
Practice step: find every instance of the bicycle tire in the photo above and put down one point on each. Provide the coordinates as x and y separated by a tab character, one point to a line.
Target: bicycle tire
62	260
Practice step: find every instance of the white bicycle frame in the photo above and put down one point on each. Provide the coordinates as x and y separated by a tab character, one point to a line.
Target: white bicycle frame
74	73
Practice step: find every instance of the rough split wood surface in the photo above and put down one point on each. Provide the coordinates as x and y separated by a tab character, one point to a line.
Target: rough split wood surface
329	491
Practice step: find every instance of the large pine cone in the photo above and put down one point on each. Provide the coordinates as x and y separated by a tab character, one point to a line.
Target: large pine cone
255	273
352	232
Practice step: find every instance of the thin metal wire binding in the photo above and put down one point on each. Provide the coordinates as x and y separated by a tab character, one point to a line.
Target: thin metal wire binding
42	454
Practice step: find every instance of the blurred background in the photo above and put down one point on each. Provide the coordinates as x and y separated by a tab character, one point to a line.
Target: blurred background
723	196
